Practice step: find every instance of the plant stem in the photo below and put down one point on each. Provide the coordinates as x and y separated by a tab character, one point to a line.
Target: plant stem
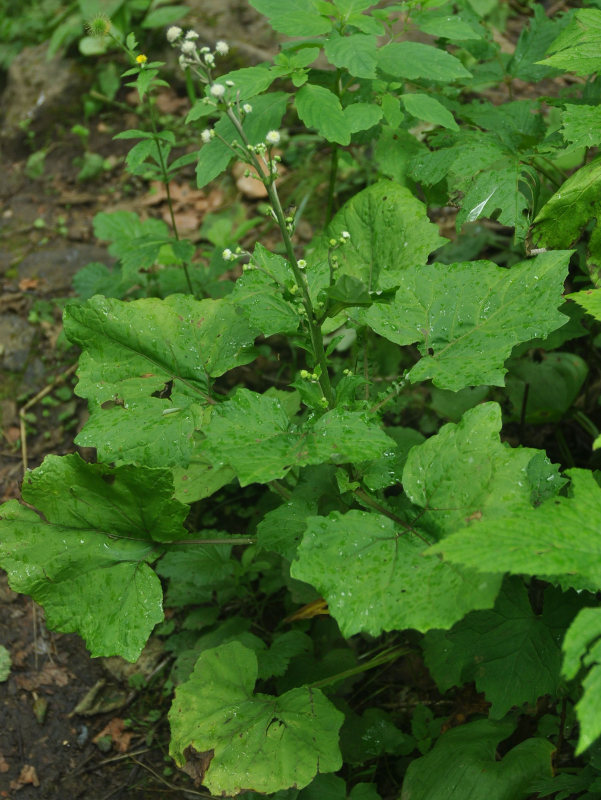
332	183
168	191
377	661
314	328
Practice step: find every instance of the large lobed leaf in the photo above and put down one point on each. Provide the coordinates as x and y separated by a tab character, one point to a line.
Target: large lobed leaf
234	740
509	640
253	435
559	539
376	573
463	765
467	317
582	651
145	370
86	559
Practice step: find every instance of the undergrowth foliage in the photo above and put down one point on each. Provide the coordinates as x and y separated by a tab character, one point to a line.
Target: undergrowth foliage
302	448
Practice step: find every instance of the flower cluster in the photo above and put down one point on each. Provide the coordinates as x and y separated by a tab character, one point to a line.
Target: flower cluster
202	59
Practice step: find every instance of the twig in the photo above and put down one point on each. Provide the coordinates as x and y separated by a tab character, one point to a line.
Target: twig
30	403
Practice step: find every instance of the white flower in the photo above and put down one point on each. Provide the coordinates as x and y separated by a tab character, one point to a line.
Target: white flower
209	59
191	35
183	61
222	48
273	137
247	108
345	235
301	263
173	33
188	48
206	135
230	83
217	90
227	255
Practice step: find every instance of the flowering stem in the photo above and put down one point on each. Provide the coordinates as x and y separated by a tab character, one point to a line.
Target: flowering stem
167	190
268	181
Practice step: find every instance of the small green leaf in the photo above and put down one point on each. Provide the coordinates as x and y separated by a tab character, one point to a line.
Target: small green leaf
446	25
422	106
464	763
5	663
319	108
413	60
235	740
356	53
159	17
293	17
86	559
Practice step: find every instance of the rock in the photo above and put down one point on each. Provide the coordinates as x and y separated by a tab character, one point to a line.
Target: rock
56	266
38	89
16	336
246	31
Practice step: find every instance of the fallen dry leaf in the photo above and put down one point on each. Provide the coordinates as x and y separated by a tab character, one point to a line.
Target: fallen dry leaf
49	675
4	766
28	283
27	775
115	729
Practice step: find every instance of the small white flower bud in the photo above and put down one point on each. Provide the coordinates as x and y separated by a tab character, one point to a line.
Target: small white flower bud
188	48
227	255
301	263
209	60
173	33
222	48
217	90
206	135
230	83
345	235
191	35
247	108
273	137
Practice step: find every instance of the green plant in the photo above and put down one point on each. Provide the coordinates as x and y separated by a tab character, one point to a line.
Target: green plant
326	474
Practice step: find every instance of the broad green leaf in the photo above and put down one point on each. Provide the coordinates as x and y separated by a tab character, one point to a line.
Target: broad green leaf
390	232
509	640
350	292
319	108
562	220
253	435
581	125
422	106
362	116
353	6
442	23
282	528
159	17
467	317
196	572
582	651
463	764
86	559
284	647
199	479
233	740
266	115
145	370
553	379
375	577
413	60
388	470
473	151
559	539
497	195
577	48
293	17
356	53
493	481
